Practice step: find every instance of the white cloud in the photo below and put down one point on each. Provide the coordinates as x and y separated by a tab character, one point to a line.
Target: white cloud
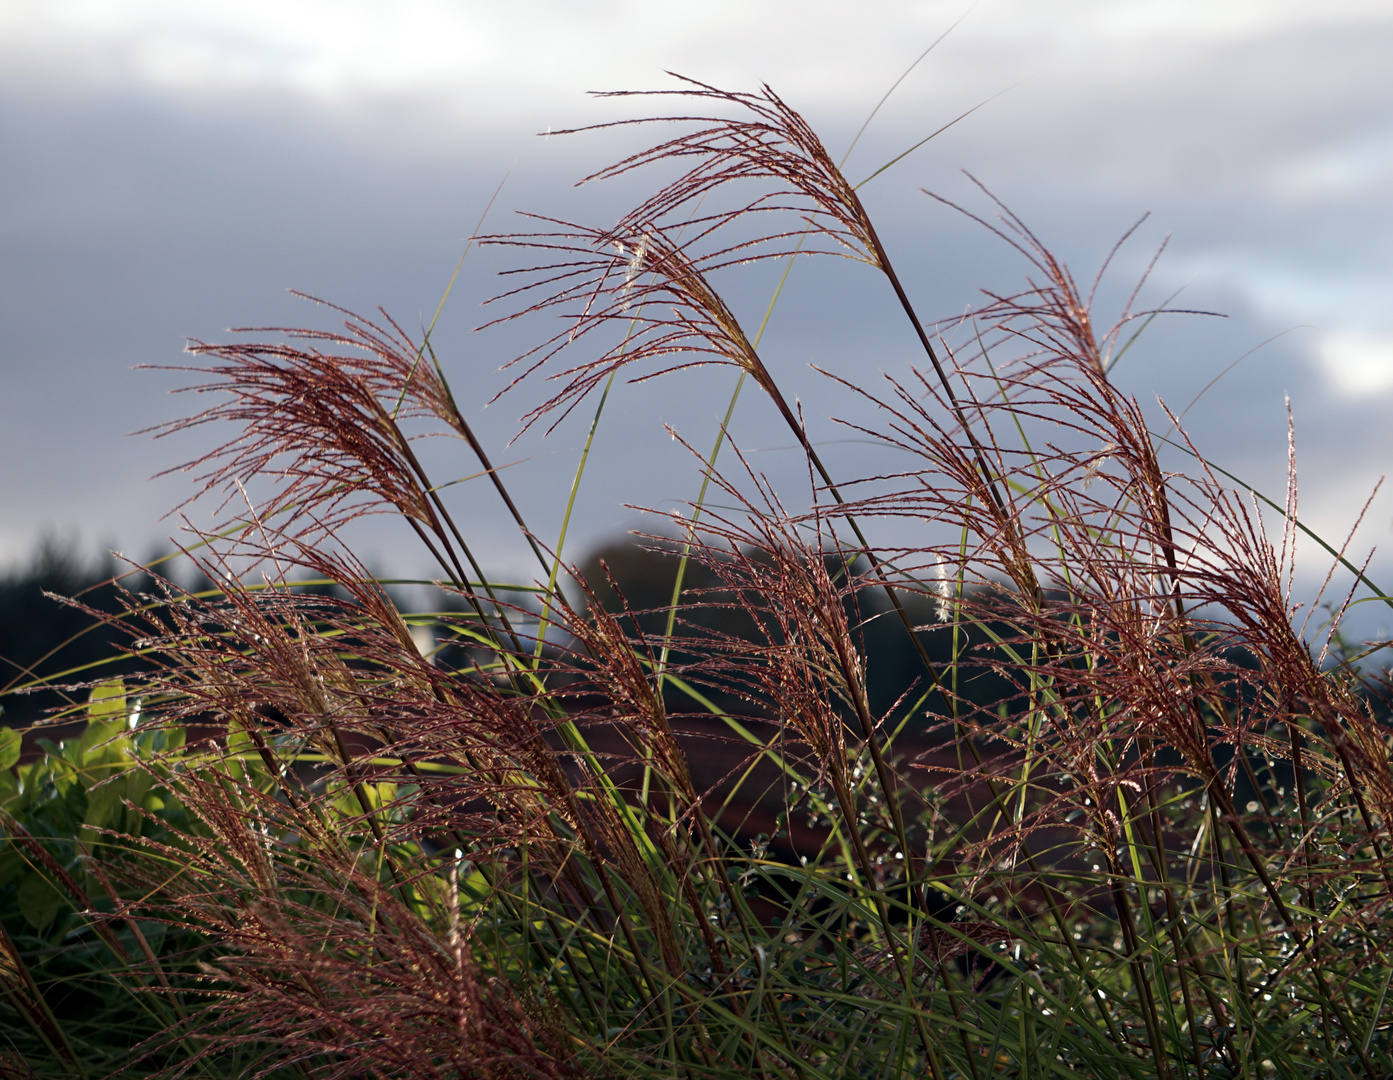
1219	20
1358	363
330	48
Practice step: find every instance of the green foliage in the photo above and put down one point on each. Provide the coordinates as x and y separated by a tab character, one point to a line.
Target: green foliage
73	1004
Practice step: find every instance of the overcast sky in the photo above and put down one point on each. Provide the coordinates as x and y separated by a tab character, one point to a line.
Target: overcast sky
169	169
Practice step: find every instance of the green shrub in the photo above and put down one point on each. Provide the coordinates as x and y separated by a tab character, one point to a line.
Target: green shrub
72	1000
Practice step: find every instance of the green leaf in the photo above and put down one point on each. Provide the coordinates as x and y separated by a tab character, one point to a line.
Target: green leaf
39	901
106	720
138	785
104	805
10	742
107	702
159	740
12	865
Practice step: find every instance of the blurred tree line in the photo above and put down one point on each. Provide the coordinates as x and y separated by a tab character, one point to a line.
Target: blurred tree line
42	637
896	679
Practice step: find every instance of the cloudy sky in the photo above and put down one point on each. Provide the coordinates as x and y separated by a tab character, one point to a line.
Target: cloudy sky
169	169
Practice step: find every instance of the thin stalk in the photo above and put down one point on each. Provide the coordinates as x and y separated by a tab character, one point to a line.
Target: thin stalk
545	620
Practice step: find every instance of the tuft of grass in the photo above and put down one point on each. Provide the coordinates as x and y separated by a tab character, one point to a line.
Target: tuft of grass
595	840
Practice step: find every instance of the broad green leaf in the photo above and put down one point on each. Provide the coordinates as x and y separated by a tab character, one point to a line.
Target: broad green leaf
39	901
243	761
239	740
106	719
344	801
107	702
10	741
380	795
138	784
30	776
159	740
12	864
104	805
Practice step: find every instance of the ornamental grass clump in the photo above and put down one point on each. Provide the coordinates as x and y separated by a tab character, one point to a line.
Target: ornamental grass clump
1162	852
